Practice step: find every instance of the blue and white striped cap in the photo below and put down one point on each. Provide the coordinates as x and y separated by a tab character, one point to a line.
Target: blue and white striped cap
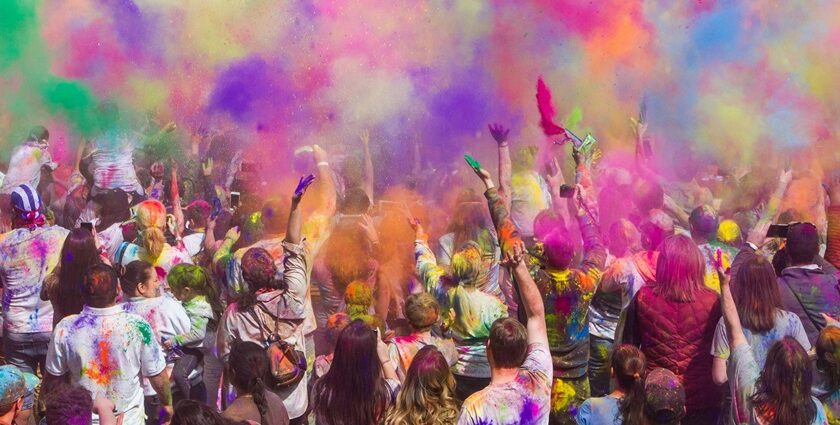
26	199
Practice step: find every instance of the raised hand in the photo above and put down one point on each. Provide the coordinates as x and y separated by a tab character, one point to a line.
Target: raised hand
365	138
303	184
419	232
207	167
499	133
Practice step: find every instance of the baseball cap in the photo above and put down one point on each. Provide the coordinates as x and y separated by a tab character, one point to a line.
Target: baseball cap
664	396
14	385
26	199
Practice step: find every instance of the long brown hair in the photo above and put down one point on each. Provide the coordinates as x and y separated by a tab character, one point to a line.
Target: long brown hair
353	392
428	395
783	391
628	365
679	269
78	253
756	294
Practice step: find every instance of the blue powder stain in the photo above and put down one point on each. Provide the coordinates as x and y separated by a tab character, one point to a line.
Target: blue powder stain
83	321
530	410
718	36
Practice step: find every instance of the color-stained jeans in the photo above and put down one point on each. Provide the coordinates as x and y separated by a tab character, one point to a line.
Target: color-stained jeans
26	351
567	394
600	353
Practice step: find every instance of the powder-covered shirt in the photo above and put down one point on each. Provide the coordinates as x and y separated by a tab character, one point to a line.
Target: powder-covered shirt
283	311
471	311
200	314
619	284
786	324
530	196
166	316
524	400
600	411
194	243
27	257
403	349
112	162
169	257
488	276
232	264
745	374
25	165
107	351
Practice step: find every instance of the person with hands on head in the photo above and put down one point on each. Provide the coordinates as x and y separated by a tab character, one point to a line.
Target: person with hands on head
519	357
779	393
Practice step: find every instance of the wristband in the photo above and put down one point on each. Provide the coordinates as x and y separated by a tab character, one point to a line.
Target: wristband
324	163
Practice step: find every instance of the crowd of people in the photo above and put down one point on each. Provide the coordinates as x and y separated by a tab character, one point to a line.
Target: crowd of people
143	289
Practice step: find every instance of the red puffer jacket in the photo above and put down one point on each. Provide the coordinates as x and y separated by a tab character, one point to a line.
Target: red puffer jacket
678	337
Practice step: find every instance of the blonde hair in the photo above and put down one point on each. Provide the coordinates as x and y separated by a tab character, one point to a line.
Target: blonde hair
427	397
466	265
151	220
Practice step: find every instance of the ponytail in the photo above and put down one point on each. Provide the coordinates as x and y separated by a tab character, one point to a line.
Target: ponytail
257	391
153	242
628	365
632	405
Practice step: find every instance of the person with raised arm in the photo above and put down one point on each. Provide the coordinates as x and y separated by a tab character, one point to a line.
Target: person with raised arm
779	393
272	309
519	357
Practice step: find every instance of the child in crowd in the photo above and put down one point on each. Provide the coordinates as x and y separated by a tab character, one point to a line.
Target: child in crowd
422	312
193	286
626	403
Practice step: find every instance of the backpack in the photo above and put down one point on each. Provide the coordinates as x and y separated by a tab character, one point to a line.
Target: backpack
287	366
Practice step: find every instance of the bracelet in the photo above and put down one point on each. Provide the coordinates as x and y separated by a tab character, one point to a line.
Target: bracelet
324	163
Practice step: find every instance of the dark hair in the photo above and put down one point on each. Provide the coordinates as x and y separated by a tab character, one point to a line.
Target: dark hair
628	365
198	212
356	201
508	343
559	249
68	405
99	287
248	367
258	272
133	274
704	223
756	294
783	390
38	133
191	412
78	253
113	207
803	243
780	261
338	396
